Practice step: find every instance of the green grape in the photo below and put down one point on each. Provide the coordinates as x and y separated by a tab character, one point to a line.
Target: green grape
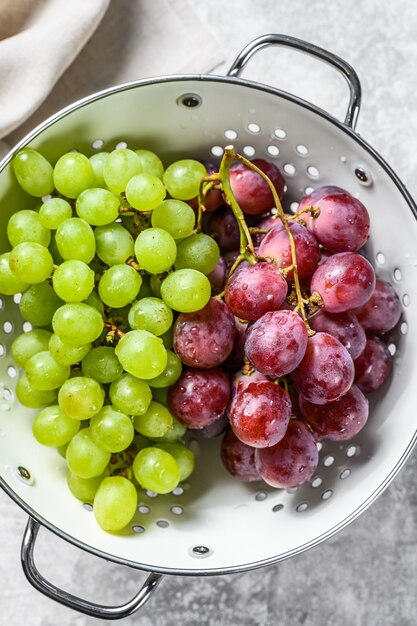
33	172
145	192
150	314
198	252
102	364
44	373
72	174
168	338
53	212
186	290
183	456
84	457
28	344
155	250
31	397
114	243
182	178
52	427
171	373
155	283
156	470
155	422
97	206
151	163
31	262
115	503
94	300
174	216
142	354
176	432
80	398
39	303
97	163
77	323
160	395
140	442
75	240
111	429
84	489
26	226
53	249
130	394
119	285
9	283
119	167
73	281
64	353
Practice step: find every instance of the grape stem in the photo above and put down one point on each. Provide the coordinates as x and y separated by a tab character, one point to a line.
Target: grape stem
314	212
131	261
113	332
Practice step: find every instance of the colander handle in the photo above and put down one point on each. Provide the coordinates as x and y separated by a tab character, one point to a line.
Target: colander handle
342	66
73	602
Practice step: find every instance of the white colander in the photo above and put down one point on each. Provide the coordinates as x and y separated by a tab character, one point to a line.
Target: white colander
213	524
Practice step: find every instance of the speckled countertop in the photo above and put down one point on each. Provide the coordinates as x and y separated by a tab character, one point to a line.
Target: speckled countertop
367	574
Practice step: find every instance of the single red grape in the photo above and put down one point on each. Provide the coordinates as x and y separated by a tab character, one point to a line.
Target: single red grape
235	360
344	326
214	197
222	226
215	429
251	191
217	277
373	366
313	198
382	311
238	458
266	223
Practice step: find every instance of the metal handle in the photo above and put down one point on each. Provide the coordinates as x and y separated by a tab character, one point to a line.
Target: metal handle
342	66
73	602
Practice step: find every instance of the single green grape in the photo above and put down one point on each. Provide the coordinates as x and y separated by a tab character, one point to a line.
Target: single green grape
177	430
97	163
114	243
97	206
53	249
186	290
95	301
160	394
72	174
77	323
102	364
145	192
26	226
115	503
9	283
174	216
155	422
142	354
44	373
84	457
53	212
156	470
73	281
31	262
75	240
183	456
52	427
80	398
198	252
151	314
155	250
111	429
130	394
151	163
31	397
155	284
145	290
33	172
182	178
28	344
39	303
64	353
171	373
85	489
119	285
119	167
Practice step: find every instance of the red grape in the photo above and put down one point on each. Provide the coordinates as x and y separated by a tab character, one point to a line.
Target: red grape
313	197
222	226
344	281
205	338
214	198
255	289
373	366
276	343
292	461
199	397
382	311
345	327
251	191
265	224
235	360
276	245
339	420
259	414
217	277
326	372
238	458
214	429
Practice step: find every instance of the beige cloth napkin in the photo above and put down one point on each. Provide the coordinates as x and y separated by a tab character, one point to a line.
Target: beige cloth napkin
45	62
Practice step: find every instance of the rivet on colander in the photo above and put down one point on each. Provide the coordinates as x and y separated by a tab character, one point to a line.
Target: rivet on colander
200	552
24	475
363	176
189	100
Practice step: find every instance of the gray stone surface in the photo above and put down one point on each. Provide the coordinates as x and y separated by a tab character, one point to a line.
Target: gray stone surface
366	575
